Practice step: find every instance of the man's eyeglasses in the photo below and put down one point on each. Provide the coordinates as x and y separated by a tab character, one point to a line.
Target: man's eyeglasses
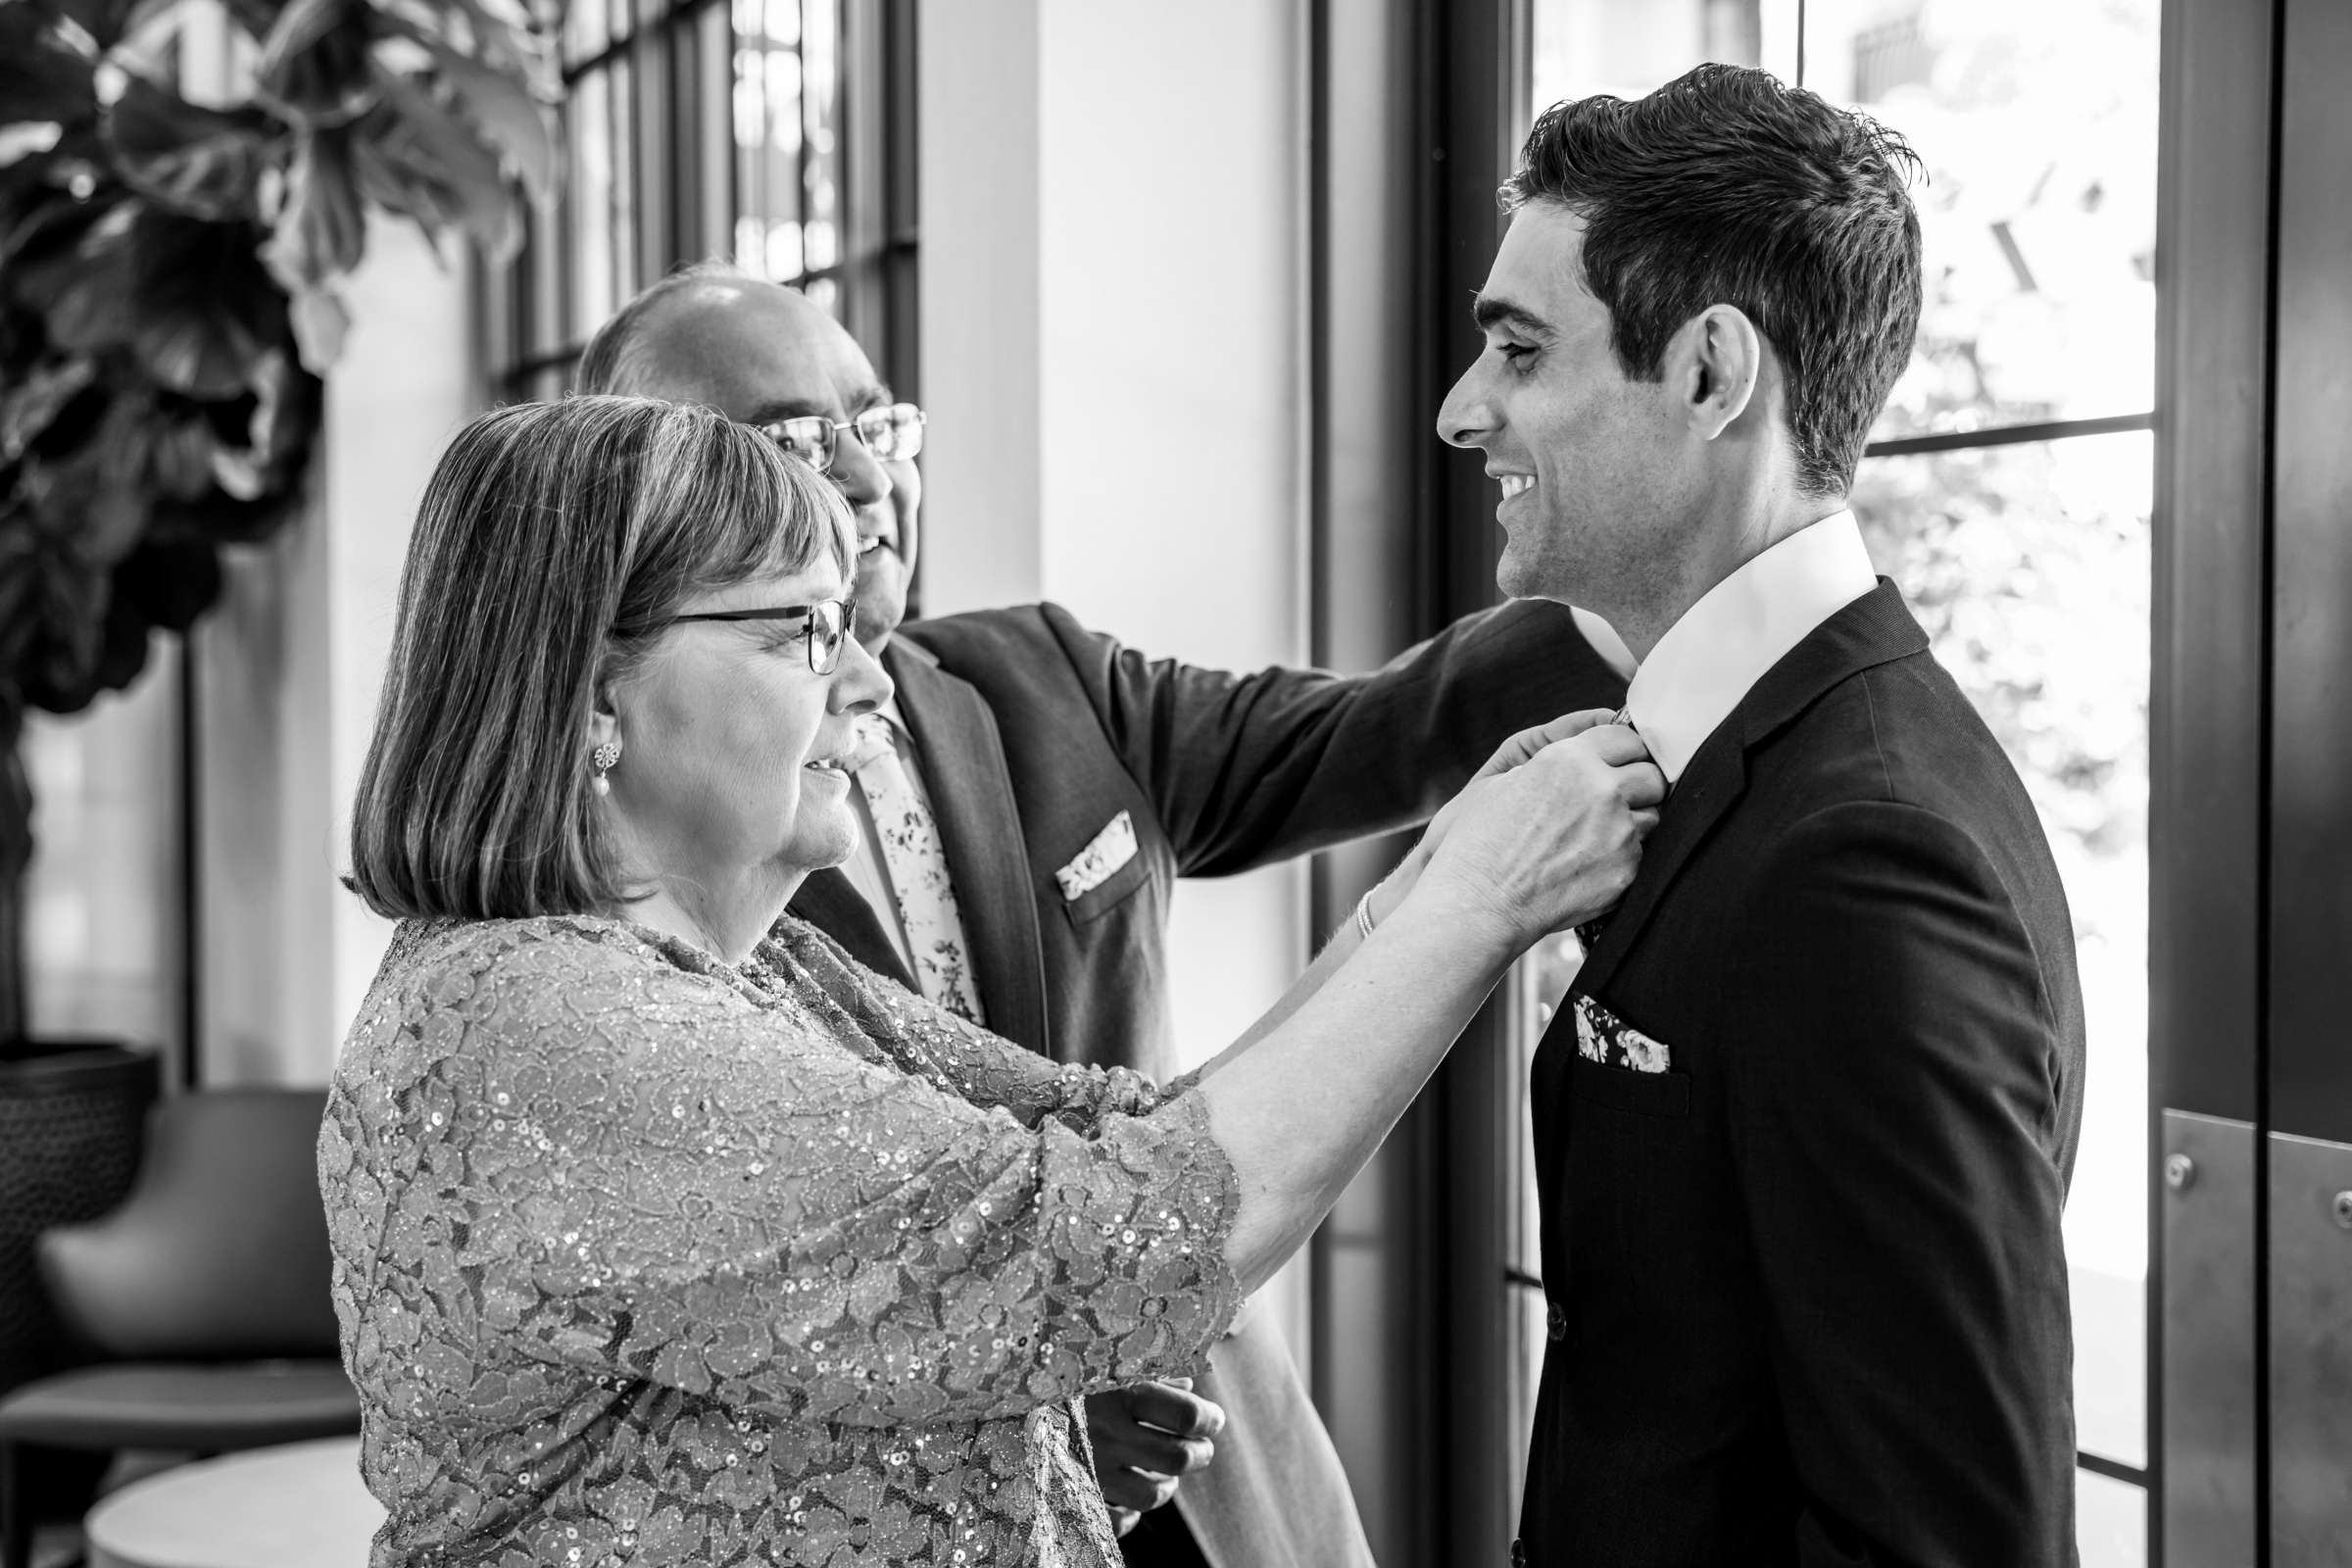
892	433
829	623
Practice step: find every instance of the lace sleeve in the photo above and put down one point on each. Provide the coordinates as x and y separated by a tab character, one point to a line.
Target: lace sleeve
652	1176
986	1069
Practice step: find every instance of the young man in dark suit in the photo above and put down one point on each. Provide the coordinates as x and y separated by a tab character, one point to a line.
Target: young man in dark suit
1031	800
1804	1126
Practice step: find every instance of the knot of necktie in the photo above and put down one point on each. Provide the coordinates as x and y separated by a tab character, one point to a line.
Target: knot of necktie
1590	933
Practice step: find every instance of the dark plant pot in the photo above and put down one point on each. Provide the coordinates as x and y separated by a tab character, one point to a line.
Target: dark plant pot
72	1120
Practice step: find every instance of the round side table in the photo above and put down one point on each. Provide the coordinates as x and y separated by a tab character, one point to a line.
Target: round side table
296	1505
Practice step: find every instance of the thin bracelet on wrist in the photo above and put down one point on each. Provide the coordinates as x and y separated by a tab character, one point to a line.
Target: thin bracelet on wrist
1363	913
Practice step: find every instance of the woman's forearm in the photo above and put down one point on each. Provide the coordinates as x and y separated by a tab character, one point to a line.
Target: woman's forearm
1383	899
1303	1100
1328	962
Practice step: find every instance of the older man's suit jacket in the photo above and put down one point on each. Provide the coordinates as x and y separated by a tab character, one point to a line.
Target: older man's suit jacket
1034	734
1807	1298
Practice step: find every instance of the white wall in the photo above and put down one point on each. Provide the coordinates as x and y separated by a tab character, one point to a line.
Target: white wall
289	668
977	297
1143	390
1113	357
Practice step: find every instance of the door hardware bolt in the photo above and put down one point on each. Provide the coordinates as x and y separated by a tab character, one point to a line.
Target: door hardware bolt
2179	1171
2343	1210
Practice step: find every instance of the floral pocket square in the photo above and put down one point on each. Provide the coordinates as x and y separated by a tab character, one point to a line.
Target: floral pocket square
1112	849
1604	1037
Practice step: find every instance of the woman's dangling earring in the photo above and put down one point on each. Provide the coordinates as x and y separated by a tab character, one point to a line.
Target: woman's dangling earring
602	760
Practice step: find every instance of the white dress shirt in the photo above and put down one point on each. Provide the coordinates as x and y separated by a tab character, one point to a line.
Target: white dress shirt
1724	644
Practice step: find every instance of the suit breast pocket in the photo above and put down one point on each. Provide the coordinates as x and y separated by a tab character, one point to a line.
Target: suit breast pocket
1109	893
1644	1093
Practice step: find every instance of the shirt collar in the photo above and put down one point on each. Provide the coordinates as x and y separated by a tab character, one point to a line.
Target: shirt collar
1723	645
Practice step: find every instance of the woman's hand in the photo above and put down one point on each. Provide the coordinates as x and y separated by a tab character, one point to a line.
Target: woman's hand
1509	755
1553	838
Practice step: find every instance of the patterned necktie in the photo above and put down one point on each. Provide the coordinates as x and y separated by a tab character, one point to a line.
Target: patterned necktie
1589	932
917	867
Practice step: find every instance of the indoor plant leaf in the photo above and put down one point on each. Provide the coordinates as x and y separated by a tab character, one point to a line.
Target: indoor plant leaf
27	407
438	148
505	115
322	230
70	260
276	428
104	20
63	625
29	139
204	162
321	323
202	305
505	35
502	105
40	78
180	457
94	501
102	647
316	67
169	581
224	518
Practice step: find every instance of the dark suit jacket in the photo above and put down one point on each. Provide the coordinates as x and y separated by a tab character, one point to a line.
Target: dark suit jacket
1807	1297
1033	733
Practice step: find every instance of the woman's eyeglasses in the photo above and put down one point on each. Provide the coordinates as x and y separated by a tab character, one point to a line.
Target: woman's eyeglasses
830	621
892	433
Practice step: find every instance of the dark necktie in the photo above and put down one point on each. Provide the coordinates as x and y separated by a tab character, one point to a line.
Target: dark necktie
1589	932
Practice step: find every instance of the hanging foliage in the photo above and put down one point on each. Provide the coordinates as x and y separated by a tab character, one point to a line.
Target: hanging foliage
170	292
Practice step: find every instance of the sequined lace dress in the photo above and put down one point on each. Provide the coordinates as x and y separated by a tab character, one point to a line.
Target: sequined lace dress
644	1258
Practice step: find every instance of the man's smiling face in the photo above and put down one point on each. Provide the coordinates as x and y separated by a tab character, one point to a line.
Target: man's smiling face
1586	457
758	352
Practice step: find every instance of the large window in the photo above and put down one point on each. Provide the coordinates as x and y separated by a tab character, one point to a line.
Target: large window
777	134
2008	491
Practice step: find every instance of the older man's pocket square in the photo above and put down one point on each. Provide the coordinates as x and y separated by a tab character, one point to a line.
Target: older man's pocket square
1093	865
1604	1037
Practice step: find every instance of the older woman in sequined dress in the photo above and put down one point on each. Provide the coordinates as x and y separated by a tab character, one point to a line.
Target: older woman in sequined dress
663	1232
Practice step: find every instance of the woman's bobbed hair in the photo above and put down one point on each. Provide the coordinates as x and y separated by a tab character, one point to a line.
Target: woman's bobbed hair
552	545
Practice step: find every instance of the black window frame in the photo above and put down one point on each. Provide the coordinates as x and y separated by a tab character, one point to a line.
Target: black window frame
670	71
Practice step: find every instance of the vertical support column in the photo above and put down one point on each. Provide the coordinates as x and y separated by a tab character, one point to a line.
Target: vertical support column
2309	1071
2208	1363
1374	1339
290	668
2208	776
983	455
1477	115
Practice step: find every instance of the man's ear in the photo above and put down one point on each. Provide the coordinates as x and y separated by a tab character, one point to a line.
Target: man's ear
1713	364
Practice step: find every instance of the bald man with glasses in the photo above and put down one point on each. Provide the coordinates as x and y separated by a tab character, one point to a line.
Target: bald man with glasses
1031	794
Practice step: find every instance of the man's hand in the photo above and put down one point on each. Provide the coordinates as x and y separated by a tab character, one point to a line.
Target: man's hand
1148	1436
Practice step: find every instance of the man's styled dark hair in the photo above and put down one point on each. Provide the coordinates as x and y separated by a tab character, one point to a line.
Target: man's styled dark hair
1725	188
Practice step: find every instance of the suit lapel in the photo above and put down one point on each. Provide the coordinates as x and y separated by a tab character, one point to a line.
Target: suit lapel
1716	778
830	901
962	759
1872	630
